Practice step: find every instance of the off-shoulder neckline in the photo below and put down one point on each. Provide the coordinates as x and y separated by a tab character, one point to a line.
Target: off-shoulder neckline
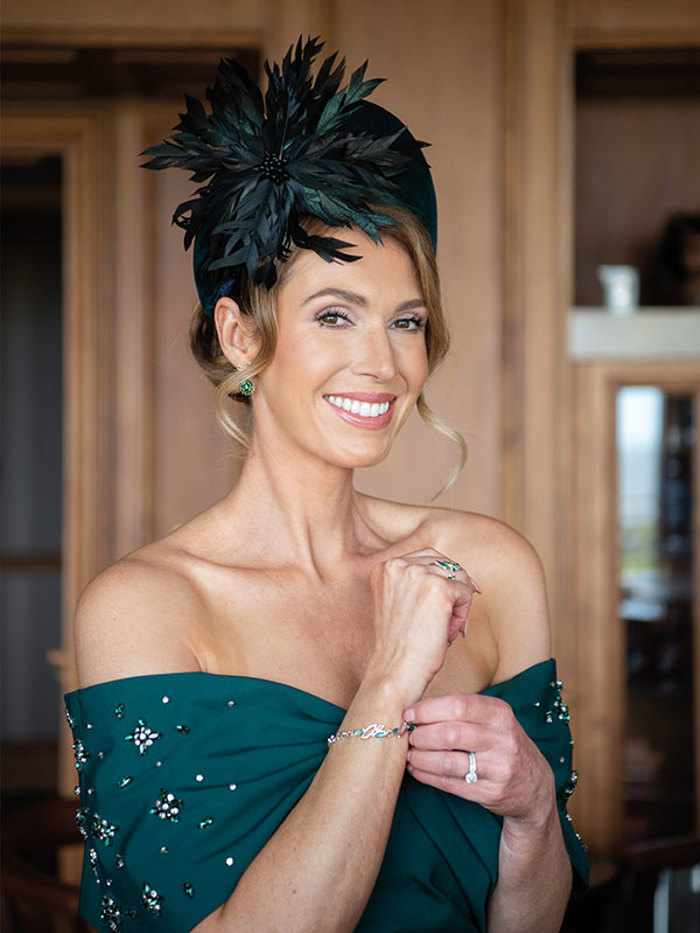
245	678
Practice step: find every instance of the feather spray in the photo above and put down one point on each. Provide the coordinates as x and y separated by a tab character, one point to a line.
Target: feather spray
264	163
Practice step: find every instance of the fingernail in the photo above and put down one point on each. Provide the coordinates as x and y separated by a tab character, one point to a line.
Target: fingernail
409	715
475	586
409	767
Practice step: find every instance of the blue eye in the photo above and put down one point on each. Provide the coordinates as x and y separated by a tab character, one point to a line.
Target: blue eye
332	317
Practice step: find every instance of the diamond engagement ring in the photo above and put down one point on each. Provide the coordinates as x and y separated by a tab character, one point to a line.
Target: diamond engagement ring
450	566
471	777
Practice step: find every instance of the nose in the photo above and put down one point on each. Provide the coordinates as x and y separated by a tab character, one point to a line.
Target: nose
376	356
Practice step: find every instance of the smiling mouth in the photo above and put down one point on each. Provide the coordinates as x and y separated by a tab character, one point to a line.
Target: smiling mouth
354	406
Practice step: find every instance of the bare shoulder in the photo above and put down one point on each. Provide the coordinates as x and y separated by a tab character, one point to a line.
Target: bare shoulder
135	618
497	549
509	571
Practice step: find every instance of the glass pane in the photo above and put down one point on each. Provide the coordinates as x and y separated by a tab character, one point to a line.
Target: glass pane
31	604
31	474
31	359
655	453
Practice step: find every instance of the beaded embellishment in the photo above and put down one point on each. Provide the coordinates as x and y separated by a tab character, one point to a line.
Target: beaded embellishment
143	737
167	806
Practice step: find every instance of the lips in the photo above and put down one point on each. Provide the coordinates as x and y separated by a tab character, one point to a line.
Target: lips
363	409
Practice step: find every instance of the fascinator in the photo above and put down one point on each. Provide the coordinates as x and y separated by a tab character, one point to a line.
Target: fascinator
306	148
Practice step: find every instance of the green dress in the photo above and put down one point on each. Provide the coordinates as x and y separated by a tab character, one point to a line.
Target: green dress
184	777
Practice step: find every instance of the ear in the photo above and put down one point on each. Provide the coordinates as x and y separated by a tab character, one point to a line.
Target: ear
237	334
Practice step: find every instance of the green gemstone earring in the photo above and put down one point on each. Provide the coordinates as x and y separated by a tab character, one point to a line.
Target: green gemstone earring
247	387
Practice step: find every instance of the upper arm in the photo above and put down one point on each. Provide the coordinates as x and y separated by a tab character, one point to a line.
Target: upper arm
514	599
135	618
517	606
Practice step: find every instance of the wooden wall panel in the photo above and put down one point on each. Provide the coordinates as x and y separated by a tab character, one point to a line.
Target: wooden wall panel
133	411
635	23
445	71
537	447
181	20
194	462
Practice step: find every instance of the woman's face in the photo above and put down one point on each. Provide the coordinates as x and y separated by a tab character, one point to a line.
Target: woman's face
350	359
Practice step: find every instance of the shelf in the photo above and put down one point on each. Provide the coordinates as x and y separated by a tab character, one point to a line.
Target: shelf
647	333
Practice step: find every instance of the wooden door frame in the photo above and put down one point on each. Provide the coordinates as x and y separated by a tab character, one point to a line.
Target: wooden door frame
75	136
600	651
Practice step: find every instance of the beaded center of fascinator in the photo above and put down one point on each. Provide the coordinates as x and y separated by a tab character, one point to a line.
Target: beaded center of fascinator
307	147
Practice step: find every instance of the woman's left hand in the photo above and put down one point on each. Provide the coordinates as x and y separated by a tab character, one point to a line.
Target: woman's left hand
513	779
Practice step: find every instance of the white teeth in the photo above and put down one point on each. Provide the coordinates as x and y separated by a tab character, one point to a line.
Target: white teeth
355	407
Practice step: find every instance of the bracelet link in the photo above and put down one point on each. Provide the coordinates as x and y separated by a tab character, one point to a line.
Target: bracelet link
375	730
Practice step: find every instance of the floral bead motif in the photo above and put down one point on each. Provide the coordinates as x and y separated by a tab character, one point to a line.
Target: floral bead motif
81	755
103	830
560	707
111	913
570	785
151	900
95	864
167	806
143	737
119	711
81	818
69	718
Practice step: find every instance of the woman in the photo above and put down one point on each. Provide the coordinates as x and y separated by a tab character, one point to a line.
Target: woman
278	727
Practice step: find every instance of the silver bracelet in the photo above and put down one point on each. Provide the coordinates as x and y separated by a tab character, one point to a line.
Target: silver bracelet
375	730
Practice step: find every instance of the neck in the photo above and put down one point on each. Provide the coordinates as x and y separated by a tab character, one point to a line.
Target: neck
300	511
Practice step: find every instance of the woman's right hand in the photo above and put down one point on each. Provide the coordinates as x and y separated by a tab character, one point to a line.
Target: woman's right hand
418	612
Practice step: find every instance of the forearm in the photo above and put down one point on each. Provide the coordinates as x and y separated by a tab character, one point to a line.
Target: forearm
534	877
319	868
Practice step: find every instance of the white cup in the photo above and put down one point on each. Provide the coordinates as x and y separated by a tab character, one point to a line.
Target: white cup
620	288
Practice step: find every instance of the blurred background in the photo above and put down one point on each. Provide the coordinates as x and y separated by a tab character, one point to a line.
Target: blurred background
566	156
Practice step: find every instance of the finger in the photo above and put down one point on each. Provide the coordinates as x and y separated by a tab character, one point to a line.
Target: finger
460	707
434	557
450	763
446	736
453	785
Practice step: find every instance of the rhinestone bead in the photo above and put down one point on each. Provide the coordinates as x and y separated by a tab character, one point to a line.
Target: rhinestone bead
167	806
151	900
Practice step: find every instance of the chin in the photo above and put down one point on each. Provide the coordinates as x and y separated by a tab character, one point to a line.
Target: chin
356	460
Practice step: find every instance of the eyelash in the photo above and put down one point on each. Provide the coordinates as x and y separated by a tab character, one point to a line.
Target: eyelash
415	319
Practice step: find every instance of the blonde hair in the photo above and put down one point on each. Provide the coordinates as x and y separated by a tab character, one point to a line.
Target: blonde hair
259	304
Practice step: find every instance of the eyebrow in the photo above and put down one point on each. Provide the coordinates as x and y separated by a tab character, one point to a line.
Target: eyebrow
356	299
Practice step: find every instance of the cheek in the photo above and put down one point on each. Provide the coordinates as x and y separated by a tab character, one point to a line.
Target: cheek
415	364
303	362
